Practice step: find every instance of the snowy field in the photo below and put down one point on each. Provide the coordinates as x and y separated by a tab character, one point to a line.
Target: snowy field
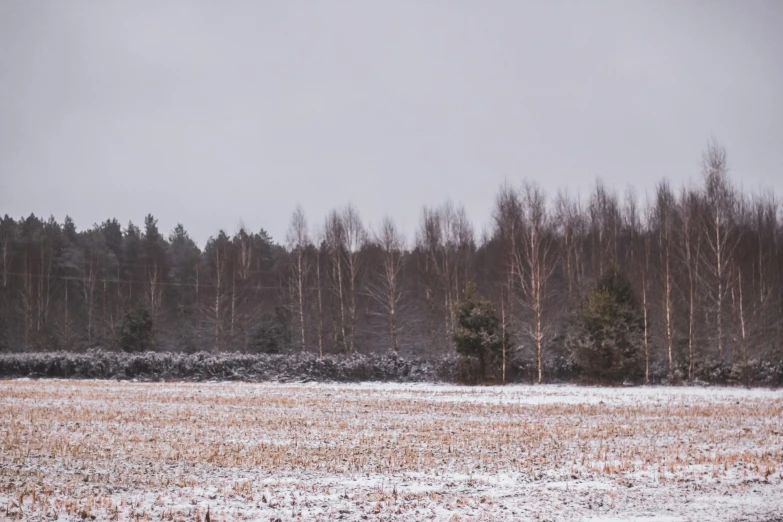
102	450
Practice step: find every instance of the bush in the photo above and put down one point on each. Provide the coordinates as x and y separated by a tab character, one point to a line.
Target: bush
202	366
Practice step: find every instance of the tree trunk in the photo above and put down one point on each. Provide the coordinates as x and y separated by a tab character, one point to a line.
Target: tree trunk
646	345
300	284
503	333
320	308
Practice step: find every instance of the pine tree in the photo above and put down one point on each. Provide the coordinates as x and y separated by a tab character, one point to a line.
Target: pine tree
477	331
136	331
606	341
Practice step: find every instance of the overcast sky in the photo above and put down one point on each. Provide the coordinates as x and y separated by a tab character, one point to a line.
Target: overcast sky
211	113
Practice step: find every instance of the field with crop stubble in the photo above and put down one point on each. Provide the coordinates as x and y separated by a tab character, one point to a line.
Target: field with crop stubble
103	450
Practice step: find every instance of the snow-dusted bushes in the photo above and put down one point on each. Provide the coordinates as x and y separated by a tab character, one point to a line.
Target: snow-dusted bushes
153	366
757	373
201	366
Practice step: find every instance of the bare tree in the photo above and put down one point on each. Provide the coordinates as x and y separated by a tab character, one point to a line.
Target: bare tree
446	237
645	290
428	242
742	319
508	225
665	222
446	261
217	250
334	238
637	226
719	241
631	226
319	299
537	261
764	216
690	253
460	236
298	239
385	287
605	224
508	229
355	238
571	232
749	297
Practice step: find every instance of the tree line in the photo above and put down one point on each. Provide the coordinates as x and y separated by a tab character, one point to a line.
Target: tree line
703	263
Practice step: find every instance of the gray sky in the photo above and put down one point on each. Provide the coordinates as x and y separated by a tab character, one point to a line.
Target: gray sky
209	113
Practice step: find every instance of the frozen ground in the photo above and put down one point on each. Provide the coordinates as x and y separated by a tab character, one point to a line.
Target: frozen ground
103	450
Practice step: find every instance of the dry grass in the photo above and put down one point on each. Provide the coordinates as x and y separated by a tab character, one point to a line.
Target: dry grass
122	451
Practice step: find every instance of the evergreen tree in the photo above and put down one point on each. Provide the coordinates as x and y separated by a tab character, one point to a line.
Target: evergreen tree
271	334
184	258
606	341
478	331
136	331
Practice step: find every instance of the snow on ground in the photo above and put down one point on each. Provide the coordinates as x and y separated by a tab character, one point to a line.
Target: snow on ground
103	450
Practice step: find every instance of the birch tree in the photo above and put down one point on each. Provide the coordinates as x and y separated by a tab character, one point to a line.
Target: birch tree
319	296
355	238
716	230
335	241
690	254
665	223
536	259
217	251
385	287
571	232
645	272
298	239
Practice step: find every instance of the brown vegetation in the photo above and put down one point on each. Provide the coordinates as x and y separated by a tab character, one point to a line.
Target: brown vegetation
149	451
